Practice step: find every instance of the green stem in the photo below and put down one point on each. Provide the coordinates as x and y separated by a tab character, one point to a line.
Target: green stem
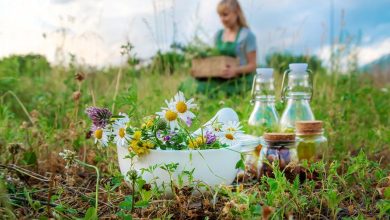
20	103
116	88
133	196
97	182
155	135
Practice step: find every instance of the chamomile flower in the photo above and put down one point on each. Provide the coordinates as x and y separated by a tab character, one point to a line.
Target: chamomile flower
229	132
119	130
183	107
101	136
124	119
170	116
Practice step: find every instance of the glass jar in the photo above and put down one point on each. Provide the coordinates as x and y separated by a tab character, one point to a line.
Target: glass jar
297	90
279	147
312	145
250	147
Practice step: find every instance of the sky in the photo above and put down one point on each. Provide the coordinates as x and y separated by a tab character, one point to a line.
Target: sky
94	30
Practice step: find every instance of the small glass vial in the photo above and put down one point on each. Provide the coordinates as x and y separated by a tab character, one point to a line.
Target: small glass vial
312	145
279	147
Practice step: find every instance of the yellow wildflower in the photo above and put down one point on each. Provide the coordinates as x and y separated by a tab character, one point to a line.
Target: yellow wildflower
200	140
137	135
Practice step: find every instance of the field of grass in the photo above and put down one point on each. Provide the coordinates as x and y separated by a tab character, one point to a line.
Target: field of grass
42	113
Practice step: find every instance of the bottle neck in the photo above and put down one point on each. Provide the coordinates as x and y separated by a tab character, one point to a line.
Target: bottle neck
298	96
259	99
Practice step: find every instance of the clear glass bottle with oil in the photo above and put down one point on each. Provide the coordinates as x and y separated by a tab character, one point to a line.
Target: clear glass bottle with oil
312	145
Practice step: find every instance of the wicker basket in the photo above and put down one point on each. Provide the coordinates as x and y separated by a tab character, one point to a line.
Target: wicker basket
211	66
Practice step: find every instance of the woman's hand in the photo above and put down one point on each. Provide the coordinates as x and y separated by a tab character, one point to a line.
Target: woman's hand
229	72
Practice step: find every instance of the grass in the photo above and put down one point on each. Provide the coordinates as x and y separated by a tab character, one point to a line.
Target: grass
41	113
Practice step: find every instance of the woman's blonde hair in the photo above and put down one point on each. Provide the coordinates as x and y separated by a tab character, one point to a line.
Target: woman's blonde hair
233	5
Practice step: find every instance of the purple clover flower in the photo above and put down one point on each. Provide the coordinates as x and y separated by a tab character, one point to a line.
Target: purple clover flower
167	138
189	121
210	137
99	116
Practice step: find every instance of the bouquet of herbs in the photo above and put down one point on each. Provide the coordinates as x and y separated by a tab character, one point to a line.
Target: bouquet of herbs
165	130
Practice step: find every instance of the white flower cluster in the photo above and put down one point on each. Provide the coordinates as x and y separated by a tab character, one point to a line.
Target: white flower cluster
117	130
177	108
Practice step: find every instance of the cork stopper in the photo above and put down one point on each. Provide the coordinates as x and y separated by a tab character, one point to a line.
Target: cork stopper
279	137
308	127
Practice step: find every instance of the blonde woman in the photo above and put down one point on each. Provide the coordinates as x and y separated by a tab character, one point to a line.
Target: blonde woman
235	40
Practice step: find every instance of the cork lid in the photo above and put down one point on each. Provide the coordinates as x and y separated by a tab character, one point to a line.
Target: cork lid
282	137
303	127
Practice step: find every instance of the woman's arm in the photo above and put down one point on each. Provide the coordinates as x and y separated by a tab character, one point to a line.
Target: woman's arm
231	72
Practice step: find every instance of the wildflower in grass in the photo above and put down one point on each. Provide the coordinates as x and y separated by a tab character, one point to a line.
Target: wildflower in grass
210	137
197	142
216	126
119	130
140	147
137	136
100	116
189	121
183	107
229	132
149	122
170	116
167	138
148	144
101	136
70	158
122	119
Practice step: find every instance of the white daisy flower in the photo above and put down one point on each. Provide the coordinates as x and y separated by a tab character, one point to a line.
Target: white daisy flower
119	130
229	132
170	116
183	107
124	119
101	136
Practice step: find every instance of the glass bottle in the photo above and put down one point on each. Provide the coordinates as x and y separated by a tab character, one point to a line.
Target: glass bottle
312	145
264	117
279	147
297	90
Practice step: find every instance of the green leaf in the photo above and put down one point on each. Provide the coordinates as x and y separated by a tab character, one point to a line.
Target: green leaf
240	164
90	214
386	193
127	204
29	158
141	204
256	210
124	216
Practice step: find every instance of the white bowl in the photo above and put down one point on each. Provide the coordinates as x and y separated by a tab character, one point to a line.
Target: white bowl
213	166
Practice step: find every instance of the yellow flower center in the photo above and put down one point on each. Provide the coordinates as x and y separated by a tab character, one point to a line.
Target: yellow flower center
122	132
98	134
229	136
231	129
170	115
181	107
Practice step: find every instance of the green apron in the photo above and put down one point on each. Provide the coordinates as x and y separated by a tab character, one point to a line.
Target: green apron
213	86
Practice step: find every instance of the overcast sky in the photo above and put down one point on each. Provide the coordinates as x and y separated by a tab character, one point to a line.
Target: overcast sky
94	30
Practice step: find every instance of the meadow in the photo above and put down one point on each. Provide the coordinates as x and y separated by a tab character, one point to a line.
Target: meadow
42	113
